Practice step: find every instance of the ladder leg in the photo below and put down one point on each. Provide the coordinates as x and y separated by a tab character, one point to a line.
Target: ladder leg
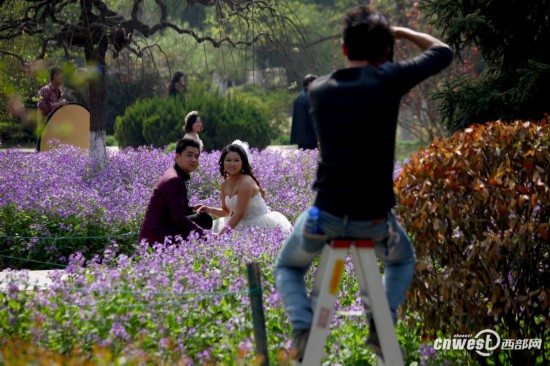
366	266
320	271
327	287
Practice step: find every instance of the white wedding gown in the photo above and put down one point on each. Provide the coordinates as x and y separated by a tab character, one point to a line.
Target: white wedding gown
257	215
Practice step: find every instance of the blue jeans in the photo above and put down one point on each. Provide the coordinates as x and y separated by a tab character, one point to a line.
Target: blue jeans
297	254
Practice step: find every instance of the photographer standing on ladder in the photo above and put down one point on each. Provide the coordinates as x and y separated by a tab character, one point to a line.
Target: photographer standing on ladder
354	111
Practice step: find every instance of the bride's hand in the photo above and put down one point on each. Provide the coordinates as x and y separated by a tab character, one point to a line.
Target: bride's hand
204	209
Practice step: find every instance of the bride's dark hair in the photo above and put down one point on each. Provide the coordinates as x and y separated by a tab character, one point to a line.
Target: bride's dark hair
246	169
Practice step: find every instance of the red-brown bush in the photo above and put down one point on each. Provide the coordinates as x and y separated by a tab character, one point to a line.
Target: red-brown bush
477	207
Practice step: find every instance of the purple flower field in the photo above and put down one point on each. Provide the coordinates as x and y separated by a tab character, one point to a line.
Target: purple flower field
177	302
57	203
183	302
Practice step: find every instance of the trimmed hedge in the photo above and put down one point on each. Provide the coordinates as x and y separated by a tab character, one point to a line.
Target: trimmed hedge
13	133
477	205
158	121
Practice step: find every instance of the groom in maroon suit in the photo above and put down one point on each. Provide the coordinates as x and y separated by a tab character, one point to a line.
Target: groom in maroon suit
168	212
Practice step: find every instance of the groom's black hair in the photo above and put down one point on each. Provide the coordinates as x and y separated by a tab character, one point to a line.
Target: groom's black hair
184	143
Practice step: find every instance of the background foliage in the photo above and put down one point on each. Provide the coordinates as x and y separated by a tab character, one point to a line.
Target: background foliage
512	36
158	121
477	206
308	41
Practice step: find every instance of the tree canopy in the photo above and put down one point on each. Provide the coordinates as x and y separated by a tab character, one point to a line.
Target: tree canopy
98	28
512	37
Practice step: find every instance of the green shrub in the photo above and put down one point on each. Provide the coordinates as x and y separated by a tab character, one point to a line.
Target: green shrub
405	148
14	133
124	90
110	140
162	128
158	121
275	105
25	246
477	205
129	127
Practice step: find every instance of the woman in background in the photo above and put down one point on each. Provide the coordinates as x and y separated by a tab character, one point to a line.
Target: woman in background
177	85
193	125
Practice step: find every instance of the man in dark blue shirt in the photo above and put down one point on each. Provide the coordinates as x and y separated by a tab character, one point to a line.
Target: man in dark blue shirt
355	112
302	132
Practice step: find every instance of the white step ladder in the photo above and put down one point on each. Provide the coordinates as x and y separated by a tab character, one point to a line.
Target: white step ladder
325	290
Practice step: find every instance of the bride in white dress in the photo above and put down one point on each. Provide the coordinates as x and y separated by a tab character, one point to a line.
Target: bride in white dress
243	204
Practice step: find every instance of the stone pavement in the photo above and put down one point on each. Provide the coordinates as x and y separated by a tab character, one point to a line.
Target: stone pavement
41	279
31	150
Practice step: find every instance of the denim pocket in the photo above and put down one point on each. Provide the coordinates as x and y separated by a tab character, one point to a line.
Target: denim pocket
391	238
313	242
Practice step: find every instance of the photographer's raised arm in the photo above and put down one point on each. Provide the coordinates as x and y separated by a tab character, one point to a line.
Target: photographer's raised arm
436	56
422	40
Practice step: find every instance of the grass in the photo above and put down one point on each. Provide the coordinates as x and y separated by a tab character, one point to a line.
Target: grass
404	149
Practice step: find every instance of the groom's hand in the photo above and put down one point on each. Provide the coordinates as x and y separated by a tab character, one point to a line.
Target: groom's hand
197	208
204	209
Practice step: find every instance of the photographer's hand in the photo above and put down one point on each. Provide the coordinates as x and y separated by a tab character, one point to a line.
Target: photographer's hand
422	40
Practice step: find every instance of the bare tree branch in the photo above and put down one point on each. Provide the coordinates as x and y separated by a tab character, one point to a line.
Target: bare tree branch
135	9
91	28
140	51
215	43
19	58
319	41
163	10
15	28
42	53
95	28
104	9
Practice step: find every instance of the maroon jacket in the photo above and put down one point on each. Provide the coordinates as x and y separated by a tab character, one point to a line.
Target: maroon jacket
168	209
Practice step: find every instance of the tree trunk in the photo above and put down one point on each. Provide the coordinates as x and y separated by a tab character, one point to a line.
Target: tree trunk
98	104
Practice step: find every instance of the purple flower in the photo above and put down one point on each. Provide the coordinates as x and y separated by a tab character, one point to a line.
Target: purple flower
131	298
